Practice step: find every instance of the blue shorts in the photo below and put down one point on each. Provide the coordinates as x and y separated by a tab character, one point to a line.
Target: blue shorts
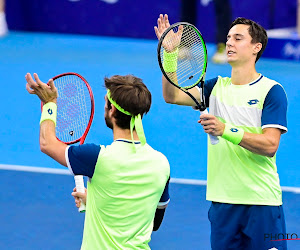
247	227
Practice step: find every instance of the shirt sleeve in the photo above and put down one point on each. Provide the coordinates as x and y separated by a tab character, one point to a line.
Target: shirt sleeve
82	159
274	113
165	197
208	87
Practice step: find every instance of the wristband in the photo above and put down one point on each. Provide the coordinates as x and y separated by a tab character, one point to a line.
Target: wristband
233	134
49	112
170	61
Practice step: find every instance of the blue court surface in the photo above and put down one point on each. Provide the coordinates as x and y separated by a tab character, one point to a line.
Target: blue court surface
37	210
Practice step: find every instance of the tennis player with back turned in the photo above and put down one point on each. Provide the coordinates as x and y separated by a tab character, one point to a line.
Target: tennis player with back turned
128	187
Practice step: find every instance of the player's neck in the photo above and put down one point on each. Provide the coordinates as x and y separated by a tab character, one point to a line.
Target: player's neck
241	75
124	134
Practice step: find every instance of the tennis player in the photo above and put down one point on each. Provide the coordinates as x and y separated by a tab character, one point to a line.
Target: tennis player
128	180
248	112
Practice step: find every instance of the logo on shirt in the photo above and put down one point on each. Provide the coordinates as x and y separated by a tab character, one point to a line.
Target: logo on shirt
50	112
234	130
252	102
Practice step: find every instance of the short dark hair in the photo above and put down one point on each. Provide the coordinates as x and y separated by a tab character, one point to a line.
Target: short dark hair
130	93
256	31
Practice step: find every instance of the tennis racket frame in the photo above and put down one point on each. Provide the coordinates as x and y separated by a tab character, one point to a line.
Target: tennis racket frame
200	105
82	138
78	178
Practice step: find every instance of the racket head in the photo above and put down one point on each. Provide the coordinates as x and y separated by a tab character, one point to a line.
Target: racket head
75	108
192	55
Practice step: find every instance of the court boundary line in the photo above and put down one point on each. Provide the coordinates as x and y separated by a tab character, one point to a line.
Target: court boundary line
67	172
203	183
35	169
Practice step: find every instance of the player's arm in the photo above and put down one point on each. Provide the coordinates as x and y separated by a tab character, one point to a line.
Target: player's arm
273	125
174	95
273	122
79	197
161	207
81	160
48	142
263	144
159	216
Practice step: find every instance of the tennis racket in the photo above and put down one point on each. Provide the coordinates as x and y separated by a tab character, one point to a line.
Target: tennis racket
75	112
191	61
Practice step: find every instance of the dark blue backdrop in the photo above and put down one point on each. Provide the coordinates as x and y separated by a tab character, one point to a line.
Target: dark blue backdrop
127	18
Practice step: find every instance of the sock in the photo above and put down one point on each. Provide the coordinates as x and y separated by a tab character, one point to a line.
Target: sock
3	24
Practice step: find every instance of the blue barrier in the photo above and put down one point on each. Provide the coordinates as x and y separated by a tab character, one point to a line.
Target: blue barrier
288	49
127	18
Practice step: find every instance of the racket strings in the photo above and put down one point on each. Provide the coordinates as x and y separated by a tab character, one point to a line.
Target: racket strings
74	108
191	61
191	47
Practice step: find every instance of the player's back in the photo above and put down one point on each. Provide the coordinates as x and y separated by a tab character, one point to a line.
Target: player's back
123	195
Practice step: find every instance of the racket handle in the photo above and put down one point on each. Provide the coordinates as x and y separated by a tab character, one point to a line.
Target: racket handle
213	139
80	188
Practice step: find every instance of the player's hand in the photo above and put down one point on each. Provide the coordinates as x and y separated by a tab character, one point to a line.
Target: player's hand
172	40
211	125
46	93
79	197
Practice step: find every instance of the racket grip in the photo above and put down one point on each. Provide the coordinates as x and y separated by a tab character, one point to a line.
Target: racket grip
80	188
213	139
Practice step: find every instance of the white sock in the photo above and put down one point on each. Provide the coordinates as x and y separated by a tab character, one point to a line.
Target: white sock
3	24
2	16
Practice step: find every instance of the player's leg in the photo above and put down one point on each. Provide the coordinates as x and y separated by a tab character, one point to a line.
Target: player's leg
226	223
266	228
189	11
223	21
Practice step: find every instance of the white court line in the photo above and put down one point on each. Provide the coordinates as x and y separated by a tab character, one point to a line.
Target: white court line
188	181
35	169
67	172
201	182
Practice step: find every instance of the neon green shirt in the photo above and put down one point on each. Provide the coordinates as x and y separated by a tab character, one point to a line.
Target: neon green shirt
236	175
123	195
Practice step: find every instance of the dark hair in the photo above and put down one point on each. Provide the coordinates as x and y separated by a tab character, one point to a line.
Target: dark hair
130	93
256	31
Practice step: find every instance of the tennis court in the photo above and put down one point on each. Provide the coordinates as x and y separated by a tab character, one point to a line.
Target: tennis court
37	209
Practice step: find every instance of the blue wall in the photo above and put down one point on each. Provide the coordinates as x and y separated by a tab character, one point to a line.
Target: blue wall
127	18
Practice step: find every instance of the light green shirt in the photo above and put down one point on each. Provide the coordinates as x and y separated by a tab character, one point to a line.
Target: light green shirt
123	196
236	175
